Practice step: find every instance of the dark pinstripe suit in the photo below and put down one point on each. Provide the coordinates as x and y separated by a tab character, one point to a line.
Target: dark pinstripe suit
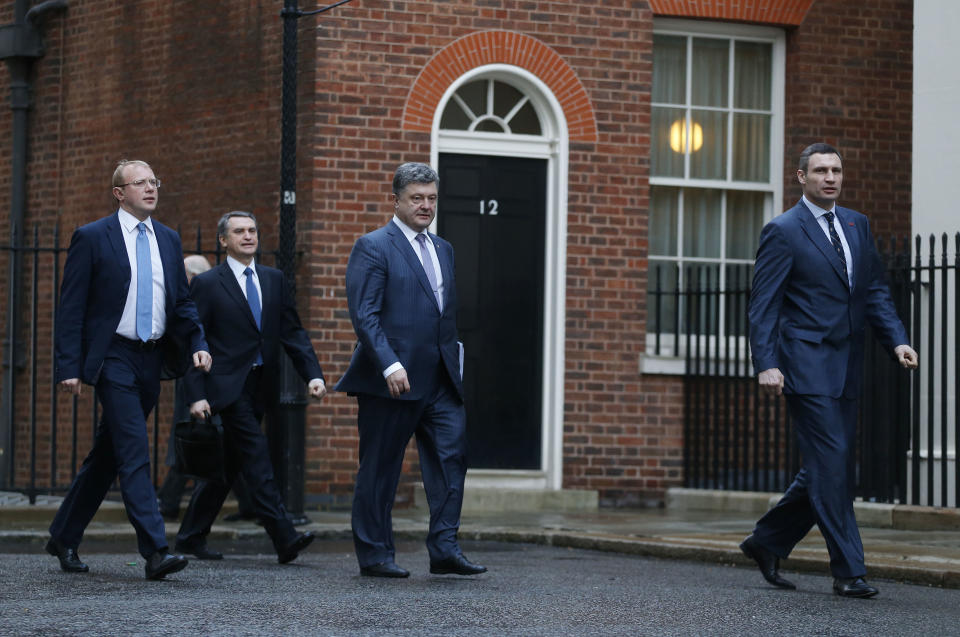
396	317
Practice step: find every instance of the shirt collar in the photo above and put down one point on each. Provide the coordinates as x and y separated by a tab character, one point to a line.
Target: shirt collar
408	232
817	210
237	268
129	222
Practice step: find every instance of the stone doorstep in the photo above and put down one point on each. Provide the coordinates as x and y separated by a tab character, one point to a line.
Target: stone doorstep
869	514
479	499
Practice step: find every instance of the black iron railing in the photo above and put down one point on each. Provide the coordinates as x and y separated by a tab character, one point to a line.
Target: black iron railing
737	438
43	435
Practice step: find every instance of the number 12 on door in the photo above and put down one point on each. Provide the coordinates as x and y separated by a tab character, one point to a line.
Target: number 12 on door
489	207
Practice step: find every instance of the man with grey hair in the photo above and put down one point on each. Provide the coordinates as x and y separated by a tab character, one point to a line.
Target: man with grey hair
405	373
248	312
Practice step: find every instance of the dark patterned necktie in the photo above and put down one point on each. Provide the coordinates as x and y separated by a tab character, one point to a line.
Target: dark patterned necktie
835	240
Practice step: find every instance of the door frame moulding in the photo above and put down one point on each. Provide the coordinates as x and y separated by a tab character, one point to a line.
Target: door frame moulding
553	146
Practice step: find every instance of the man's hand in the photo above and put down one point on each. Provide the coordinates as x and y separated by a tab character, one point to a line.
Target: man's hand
907	356
771	381
202	360
318	389
71	386
397	383
200	409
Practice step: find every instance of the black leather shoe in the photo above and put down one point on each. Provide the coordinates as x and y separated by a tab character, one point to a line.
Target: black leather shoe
457	565
384	569
768	562
290	551
69	560
162	564
853	587
199	551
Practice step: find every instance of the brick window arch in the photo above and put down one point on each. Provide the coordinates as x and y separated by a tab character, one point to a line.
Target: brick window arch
500	47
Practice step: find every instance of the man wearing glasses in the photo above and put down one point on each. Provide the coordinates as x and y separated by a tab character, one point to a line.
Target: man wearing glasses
124	310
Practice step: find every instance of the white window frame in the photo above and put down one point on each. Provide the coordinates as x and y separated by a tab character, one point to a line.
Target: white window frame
674	364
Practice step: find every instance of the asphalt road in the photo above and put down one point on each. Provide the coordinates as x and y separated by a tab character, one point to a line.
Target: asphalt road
530	590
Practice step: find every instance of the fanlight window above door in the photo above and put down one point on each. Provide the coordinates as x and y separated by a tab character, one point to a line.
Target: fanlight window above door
490	106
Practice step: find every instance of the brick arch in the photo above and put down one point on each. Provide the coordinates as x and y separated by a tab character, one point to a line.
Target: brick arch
500	47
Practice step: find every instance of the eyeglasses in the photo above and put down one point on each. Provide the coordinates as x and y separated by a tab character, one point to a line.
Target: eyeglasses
141	183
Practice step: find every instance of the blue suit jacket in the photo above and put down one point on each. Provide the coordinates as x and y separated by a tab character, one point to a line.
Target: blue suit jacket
235	340
804	317
96	277
396	317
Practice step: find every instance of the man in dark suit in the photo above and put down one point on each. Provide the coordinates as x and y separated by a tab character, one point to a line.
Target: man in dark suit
124	307
248	312
405	373
171	491
817	281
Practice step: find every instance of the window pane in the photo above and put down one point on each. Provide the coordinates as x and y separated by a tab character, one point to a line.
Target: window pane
489	126
751	147
669	69
526	122
664	161
454	118
709	161
711	59
663	220
475	96
662	305
753	63
744	221
505	97
699	307
737	287
701	222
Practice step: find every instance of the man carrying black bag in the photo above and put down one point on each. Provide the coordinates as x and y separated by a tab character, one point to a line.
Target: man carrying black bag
248	312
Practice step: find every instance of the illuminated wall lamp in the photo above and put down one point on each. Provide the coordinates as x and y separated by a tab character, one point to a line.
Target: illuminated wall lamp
678	136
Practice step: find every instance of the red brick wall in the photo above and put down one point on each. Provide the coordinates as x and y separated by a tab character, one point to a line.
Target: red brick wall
850	83
197	93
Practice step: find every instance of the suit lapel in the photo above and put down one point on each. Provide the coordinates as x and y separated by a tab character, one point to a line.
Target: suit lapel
167	255
815	233
115	237
232	287
446	268
406	250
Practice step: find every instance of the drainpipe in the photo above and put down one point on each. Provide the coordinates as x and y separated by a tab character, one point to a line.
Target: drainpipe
20	44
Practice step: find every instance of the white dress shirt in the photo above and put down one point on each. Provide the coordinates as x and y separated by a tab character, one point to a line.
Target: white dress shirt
237	268
128	320
411	236
818	214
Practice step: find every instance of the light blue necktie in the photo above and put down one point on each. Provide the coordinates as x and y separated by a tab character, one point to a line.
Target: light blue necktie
144	285
428	268
253	300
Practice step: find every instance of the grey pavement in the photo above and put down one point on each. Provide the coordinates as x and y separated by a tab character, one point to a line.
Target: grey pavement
530	590
913	544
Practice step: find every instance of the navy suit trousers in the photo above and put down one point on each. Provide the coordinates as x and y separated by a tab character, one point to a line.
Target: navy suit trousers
127	388
822	491
246	452
385	425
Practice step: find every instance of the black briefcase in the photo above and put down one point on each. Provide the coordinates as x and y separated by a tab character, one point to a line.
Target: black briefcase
198	445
